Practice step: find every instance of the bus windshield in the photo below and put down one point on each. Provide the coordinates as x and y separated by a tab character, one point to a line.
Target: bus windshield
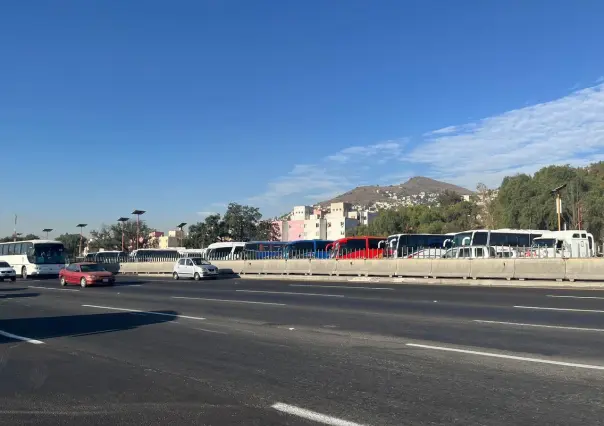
46	253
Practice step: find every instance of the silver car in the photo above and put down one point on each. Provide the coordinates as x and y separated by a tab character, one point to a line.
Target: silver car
194	267
7	272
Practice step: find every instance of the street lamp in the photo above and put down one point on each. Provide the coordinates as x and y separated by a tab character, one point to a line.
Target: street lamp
81	226
123	220
47	230
180	226
138	214
556	192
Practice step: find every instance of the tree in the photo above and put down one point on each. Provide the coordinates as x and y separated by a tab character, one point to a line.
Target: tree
485	200
72	243
20	238
109	237
267	230
448	198
241	221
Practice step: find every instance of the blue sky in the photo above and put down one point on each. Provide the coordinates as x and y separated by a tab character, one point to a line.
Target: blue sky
180	107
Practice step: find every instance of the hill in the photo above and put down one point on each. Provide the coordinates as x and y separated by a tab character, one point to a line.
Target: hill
417	190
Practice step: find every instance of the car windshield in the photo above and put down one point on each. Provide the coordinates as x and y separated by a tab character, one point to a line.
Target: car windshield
92	268
4	265
200	261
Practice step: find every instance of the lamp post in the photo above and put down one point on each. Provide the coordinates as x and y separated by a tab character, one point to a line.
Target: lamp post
138	214
47	230
81	226
556	192
180	226
123	220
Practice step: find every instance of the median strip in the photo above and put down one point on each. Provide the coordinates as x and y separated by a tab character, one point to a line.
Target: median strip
228	301
543	308
290	293
312	415
513	357
143	312
24	339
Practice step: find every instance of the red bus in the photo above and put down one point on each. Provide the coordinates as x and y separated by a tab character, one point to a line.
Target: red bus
357	248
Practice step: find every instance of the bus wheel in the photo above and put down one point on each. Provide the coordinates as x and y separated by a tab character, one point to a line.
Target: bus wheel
24	273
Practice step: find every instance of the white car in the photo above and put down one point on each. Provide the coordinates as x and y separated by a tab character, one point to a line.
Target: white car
7	272
194	267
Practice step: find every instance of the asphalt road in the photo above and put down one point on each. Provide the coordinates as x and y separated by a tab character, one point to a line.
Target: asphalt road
249	352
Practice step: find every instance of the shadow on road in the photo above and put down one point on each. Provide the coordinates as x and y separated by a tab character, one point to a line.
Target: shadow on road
41	328
13	289
18	295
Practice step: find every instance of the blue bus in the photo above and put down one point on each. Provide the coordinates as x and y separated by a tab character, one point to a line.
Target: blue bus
263	250
304	249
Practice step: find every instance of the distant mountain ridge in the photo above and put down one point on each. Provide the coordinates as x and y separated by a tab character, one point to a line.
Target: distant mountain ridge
417	190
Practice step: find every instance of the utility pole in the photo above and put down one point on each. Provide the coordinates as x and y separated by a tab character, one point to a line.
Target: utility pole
556	192
15	230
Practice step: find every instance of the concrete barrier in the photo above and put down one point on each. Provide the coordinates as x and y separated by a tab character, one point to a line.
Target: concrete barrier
414	268
351	267
540	269
229	266
253	267
297	266
323	267
451	268
380	267
128	268
585	269
275	266
492	268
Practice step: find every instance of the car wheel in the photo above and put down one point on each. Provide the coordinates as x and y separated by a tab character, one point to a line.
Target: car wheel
63	282
83	282
24	273
175	276
196	277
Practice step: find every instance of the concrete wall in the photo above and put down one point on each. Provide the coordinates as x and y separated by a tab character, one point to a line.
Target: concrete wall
519	269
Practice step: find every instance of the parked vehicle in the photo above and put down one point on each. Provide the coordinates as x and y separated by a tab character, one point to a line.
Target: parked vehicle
85	274
517	238
195	268
154	255
406	245
563	244
7	272
356	248
107	256
225	251
304	249
479	252
263	250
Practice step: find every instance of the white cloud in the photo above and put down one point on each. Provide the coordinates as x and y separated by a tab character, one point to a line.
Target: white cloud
600	79
205	214
566	130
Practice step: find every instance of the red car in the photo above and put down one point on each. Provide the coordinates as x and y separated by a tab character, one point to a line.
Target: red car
85	274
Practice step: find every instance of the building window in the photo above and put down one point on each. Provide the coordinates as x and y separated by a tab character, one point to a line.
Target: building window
342	224
316	225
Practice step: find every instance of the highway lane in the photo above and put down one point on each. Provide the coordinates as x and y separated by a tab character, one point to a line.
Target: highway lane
200	353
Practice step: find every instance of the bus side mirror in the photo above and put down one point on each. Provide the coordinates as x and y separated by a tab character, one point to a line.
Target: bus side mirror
465	241
328	247
447	243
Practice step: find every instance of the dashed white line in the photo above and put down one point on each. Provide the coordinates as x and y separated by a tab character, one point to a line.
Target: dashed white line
210	331
289	293
574	297
138	311
516	358
544	308
24	339
51	288
312	415
520	324
229	301
341	287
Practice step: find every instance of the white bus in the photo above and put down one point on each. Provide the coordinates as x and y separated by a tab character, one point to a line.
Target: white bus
35	257
517	238
192	253
415	245
225	251
564	244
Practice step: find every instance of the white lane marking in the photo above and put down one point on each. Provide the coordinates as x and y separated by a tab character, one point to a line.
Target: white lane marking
24	339
291	293
132	285
143	312
50	288
342	287
312	415
231	301
575	297
516	358
539	325
542	308
210	331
